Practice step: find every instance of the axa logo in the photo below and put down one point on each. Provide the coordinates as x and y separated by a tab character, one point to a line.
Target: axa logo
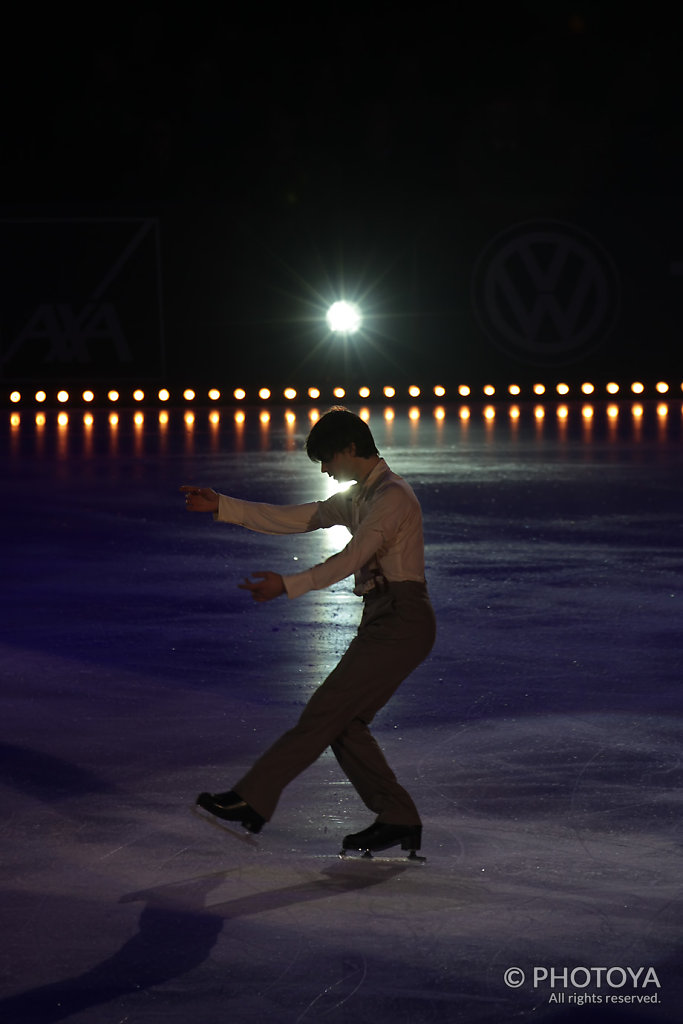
65	333
546	292
93	299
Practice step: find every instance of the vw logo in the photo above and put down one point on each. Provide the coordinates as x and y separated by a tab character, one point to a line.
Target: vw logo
546	292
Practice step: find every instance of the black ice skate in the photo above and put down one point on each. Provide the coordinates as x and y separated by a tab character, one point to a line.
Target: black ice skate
382	836
231	807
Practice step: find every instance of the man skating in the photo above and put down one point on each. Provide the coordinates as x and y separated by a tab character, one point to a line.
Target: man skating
396	632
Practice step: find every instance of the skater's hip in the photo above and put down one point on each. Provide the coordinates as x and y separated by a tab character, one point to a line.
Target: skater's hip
401	614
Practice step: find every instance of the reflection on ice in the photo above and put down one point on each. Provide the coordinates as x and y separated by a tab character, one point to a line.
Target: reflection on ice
591	422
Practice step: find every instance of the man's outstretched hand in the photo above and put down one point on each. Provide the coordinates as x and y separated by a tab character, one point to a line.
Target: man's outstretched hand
200	499
264	586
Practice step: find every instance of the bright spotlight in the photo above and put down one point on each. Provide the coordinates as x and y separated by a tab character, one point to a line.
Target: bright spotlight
343	318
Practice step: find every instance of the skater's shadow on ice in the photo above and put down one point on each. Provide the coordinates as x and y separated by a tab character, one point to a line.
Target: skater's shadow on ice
177	931
44	776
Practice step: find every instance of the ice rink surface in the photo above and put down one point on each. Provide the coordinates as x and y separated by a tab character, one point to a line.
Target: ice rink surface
541	740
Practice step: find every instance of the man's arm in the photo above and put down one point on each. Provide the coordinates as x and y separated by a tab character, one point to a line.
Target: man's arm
253	515
280	519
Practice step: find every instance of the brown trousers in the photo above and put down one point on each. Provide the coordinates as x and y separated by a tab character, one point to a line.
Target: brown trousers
396	633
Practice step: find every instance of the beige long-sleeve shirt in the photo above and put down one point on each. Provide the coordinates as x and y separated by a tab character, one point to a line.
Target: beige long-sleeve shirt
384	519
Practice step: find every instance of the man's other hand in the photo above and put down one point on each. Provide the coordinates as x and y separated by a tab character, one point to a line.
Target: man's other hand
264	586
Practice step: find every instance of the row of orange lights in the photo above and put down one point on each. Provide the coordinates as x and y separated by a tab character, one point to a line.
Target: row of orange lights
414	414
291	394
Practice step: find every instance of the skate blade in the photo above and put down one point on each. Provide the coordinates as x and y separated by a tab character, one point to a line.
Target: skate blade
378	858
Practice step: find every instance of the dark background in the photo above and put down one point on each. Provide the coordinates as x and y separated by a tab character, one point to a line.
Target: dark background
292	155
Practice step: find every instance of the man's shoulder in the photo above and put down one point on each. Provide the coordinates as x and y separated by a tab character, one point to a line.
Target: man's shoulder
395	488
336	509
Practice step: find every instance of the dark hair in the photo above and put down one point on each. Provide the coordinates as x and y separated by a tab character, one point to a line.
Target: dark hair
336	430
